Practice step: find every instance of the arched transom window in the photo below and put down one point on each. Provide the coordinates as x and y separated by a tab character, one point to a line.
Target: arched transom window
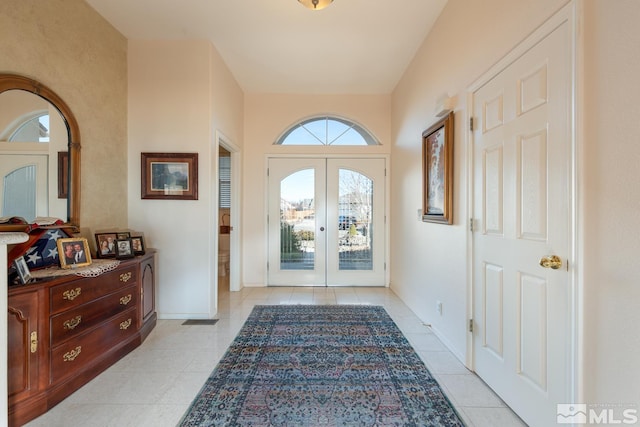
326	131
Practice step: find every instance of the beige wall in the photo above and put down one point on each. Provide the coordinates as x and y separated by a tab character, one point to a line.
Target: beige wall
67	46
180	93
267	116
428	260
610	193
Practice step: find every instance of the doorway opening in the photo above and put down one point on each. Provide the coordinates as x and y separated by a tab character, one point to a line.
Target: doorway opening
224	217
225	250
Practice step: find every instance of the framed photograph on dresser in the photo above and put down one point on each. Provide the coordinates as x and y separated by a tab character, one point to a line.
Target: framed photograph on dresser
23	270
124	249
73	252
106	244
123	235
138	245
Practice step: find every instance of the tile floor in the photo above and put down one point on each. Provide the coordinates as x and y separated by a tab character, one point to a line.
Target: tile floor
154	385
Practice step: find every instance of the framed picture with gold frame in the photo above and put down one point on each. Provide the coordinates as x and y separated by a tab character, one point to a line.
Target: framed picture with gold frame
73	252
437	172
169	176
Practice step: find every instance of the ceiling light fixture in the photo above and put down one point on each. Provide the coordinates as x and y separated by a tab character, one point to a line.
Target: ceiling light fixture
315	4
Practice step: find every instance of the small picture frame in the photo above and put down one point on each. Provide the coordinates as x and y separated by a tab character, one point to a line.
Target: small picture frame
106	244
73	252
120	235
137	242
124	249
23	270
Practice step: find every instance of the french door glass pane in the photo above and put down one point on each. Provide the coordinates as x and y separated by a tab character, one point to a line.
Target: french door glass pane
20	190
297	221
355	213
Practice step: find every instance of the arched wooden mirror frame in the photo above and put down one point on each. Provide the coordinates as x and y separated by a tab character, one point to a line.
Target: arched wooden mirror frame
14	81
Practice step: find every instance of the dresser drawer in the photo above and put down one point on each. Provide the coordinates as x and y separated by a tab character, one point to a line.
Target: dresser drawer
78	292
75	321
77	352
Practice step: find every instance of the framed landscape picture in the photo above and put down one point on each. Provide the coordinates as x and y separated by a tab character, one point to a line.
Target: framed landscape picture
169	176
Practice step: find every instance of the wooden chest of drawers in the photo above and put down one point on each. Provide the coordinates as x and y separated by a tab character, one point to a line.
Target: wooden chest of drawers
81	318
80	291
64	332
78	352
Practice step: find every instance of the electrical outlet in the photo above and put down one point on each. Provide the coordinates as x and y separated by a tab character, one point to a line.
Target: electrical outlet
439	307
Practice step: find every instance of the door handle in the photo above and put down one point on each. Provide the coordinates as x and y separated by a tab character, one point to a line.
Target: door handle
551	261
321	228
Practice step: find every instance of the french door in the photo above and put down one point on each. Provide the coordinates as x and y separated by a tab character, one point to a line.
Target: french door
24	183
326	222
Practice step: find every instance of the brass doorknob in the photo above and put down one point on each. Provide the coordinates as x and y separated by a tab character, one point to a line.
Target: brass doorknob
551	261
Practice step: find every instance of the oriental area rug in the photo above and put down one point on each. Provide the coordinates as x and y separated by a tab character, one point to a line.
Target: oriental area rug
331	365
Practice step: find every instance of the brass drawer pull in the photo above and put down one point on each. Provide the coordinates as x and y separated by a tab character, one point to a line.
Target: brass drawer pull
125	299
72	323
34	341
125	325
124	277
70	356
71	294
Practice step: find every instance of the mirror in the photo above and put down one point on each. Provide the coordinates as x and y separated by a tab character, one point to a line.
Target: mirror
39	154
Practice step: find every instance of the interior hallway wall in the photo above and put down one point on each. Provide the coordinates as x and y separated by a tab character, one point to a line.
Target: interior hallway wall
428	260
180	94
610	208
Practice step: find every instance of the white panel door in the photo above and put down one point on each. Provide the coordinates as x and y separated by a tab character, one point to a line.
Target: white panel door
326	222
522	213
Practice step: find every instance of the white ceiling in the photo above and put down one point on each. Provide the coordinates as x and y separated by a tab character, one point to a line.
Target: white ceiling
279	46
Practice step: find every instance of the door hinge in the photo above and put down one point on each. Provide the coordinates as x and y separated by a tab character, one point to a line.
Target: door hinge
267	265
471	224
470	325
471	124
385	266
267	171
